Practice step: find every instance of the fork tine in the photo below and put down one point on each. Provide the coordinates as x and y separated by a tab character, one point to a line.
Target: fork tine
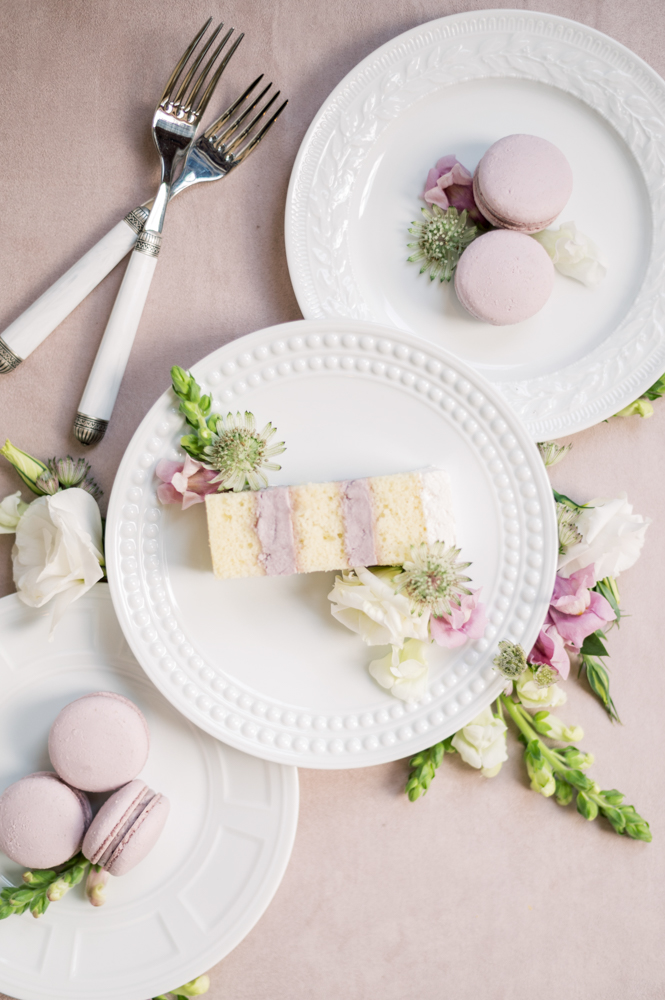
248	128
210	89
179	66
220	139
182	89
210	132
255	140
191	97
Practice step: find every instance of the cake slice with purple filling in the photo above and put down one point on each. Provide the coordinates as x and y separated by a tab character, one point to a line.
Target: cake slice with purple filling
328	526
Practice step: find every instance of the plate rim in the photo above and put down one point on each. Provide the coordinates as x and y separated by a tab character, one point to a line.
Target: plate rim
631	383
283	846
243	345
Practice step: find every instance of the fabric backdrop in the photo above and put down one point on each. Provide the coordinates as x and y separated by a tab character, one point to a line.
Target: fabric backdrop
482	887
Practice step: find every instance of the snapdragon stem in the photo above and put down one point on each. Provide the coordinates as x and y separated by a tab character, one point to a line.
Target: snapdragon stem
521	718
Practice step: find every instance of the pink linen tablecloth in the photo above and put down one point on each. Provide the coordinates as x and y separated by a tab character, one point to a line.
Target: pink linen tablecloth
482	887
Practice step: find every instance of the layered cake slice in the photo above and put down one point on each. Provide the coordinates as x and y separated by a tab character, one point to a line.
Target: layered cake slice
328	526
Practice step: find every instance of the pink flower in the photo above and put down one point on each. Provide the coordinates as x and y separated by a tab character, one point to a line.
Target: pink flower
450	184
550	651
467	621
184	481
575	610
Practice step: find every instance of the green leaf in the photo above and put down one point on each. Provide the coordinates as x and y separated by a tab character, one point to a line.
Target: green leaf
657	389
593	645
599	682
562	498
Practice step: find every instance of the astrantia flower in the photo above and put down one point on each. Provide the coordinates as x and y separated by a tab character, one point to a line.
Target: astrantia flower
566	519
47	483
440	241
448	184
511	660
403	671
551	452
70	472
239	453
366	602
433	579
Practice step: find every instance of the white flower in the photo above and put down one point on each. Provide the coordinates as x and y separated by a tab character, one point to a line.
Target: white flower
574	254
12	510
533	696
482	743
366	603
58	550
612	538
403	671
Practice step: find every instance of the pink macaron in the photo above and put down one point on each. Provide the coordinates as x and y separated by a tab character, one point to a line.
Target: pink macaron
42	820
504	277
523	182
99	742
126	828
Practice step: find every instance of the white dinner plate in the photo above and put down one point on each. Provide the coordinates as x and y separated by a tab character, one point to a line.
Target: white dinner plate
260	662
456	85
214	870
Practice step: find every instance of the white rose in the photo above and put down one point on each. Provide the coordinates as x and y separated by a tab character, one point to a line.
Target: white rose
482	743
533	696
574	254
58	550
366	603
612	538
403	671
12	510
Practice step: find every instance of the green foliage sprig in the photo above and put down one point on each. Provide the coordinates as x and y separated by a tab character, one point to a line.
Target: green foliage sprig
424	766
196	409
42	887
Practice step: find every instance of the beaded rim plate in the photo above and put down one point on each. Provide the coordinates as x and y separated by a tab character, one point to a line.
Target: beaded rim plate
455	85
260	663
213	871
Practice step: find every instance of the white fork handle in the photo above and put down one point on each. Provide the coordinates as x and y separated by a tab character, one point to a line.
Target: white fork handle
40	319
100	393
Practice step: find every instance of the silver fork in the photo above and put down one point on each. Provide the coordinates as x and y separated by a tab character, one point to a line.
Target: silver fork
208	159
174	126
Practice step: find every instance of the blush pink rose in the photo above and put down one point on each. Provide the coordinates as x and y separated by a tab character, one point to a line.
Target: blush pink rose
550	651
467	621
450	184
577	611
184	482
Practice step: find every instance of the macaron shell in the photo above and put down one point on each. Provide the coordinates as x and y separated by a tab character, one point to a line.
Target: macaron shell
111	817
142	837
523	182
112	829
42	820
504	277
99	742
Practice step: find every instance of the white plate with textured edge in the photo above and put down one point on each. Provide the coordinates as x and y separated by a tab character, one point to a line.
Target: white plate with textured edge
214	870
456	85
260	662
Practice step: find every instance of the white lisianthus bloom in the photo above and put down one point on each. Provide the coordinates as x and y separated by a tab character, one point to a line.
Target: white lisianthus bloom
366	603
12	510
574	254
482	743
58	550
612	538
533	696
403	671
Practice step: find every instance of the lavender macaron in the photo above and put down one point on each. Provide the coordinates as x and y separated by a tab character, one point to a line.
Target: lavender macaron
126	828
504	277
42	820
523	183
99	742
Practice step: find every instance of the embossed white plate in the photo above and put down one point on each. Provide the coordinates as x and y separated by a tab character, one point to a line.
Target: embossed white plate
213	872
260	662
456	85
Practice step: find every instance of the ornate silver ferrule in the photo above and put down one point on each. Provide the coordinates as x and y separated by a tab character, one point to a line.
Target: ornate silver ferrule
89	430
8	360
137	218
149	243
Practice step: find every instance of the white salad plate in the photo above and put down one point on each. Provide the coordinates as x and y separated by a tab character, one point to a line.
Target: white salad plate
455	86
214	870
260	662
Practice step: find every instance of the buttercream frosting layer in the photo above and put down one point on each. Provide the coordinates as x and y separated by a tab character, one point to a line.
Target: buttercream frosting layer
274	528
358	523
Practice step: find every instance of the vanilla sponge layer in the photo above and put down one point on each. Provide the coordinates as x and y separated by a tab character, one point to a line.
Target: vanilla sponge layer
328	526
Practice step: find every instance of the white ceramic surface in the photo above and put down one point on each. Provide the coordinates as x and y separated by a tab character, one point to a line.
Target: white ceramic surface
260	662
456	85
214	870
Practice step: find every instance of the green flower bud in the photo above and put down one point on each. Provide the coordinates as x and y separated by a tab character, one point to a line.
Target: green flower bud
95	886
576	758
47	484
539	770
196	987
640	408
586	807
180	380
563	793
580	781
615	817
28	468
57	890
613	797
